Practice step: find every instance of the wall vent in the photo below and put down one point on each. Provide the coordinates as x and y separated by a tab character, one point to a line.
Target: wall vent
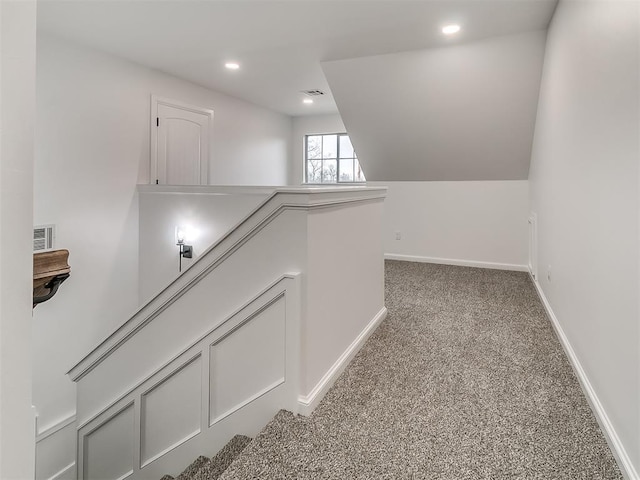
43	237
313	93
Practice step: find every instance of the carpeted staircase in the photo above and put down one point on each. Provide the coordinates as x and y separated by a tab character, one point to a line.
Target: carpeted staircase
288	447
204	468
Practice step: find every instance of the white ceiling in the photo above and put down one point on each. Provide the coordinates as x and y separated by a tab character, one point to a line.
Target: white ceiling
279	44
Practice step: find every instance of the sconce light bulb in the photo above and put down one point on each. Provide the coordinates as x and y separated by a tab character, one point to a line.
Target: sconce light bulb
180	236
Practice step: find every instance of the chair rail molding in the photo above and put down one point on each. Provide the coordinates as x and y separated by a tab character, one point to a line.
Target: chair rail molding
54	428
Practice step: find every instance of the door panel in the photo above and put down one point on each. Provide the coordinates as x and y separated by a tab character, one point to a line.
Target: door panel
182	145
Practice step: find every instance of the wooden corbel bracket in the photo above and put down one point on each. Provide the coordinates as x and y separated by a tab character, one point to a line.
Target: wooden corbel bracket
50	269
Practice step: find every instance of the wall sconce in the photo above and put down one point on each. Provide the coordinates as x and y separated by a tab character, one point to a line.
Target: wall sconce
185	251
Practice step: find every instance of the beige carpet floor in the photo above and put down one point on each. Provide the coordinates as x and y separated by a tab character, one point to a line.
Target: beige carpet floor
465	379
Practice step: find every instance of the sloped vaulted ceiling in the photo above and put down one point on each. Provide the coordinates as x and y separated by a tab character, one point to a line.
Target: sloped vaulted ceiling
463	112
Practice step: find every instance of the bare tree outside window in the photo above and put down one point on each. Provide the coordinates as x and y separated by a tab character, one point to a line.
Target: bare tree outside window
329	174
331	158
314	171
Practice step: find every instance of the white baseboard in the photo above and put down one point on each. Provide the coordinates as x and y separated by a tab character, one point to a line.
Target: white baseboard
455	261
617	448
308	403
67	473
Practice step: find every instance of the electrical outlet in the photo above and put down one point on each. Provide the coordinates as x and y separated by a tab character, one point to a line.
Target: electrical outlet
398	236
549	273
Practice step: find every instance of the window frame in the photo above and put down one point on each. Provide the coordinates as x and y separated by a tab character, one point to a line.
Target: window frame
305	172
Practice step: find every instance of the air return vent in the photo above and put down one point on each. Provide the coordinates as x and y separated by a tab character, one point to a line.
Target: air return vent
43	236
313	93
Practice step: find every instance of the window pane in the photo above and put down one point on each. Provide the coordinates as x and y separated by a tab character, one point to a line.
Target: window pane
346	149
329	171
323	164
346	170
329	146
314	171
314	146
359	176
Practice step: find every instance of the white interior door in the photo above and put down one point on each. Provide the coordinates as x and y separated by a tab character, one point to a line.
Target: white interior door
180	143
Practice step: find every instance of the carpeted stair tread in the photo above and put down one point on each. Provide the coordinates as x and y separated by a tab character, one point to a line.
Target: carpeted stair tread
290	433
192	469
221	461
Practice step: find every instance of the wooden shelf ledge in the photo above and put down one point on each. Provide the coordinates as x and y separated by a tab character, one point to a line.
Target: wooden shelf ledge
50	269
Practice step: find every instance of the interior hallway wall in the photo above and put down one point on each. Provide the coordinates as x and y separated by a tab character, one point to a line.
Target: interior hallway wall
92	149
584	190
480	223
205	219
17	123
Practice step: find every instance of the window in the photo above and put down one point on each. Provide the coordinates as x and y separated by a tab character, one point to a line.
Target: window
331	159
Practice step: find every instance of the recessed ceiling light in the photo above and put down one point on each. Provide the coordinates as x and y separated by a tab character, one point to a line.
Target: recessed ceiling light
450	29
232	65
307	101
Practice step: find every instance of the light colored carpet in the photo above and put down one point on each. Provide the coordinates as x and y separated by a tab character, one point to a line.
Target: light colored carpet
204	469
465	379
221	461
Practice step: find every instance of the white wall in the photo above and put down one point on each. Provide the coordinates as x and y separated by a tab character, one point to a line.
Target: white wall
475	223
584	189
56	453
344	241
92	148
467	223
206	218
460	112
17	121
345	284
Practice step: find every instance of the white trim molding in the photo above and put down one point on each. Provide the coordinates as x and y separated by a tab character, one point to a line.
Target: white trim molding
457	262
533	245
56	436
55	428
615	444
247	406
308	403
66	473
